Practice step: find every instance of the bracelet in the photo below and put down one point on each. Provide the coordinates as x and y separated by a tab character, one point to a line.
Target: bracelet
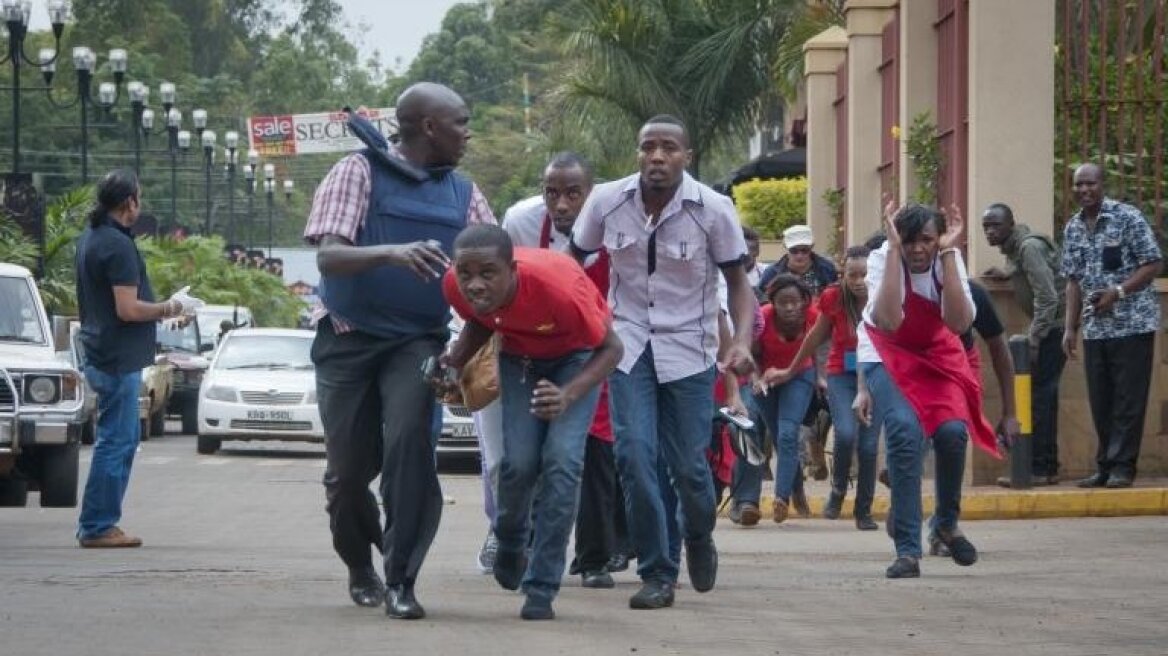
946	251
1119	290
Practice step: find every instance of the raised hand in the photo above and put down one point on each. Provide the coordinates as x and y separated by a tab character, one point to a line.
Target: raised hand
954	236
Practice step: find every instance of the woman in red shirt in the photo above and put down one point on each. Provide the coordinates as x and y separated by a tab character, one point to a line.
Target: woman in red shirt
786	321
840	308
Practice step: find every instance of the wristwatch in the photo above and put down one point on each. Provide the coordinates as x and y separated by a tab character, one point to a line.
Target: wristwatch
1119	290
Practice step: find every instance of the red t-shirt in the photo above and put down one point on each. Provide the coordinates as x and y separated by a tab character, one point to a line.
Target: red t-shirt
557	309
843	334
777	352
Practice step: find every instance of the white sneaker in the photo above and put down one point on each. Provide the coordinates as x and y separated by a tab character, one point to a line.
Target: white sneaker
486	559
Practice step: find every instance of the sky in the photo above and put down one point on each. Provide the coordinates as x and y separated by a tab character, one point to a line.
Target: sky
396	27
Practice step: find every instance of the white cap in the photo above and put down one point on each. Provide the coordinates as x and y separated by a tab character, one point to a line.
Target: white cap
798	235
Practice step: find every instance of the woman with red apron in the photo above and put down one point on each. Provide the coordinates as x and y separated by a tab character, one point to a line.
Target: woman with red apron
918	376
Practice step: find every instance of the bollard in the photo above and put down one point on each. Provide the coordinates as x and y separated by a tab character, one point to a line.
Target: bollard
1022	450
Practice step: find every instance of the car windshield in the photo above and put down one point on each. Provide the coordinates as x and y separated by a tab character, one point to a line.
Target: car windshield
19	318
210	322
265	352
178	336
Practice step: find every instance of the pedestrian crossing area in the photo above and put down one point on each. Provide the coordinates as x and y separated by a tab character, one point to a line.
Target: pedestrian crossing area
223	461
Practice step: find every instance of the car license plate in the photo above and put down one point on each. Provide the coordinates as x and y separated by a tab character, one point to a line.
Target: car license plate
462	430
269	415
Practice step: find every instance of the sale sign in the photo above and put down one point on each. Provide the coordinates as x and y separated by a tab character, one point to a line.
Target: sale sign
300	134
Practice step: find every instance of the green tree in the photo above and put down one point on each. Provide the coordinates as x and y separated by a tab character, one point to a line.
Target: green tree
709	62
469	56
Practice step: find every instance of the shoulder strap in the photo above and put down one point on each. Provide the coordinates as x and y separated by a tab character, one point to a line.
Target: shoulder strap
369	135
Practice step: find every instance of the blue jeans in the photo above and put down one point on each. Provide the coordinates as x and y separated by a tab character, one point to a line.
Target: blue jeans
671	422
118	431
539	474
783	409
852	437
906	444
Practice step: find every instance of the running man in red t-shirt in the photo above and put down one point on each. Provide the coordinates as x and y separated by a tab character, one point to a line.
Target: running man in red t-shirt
786	320
840	310
558	345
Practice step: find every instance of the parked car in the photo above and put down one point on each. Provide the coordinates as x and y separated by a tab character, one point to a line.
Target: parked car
157	383
261	386
75	357
459	438
41	399
181	346
152	397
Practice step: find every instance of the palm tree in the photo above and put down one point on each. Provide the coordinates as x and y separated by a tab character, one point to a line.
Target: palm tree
709	62
811	18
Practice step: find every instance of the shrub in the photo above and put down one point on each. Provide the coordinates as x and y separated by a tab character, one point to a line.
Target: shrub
772	206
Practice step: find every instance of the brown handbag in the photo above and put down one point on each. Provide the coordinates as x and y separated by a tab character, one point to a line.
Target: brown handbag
479	379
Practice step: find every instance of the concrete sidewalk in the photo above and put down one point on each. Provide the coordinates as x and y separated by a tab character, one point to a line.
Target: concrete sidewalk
1147	497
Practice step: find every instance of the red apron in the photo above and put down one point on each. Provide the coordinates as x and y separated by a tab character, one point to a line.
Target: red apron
598	273
930	366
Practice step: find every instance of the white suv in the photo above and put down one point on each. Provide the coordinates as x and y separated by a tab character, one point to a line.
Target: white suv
40	401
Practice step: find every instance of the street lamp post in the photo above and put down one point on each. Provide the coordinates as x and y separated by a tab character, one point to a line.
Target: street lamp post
139	94
231	143
84	62
270	189
253	160
208	137
173	125
16	14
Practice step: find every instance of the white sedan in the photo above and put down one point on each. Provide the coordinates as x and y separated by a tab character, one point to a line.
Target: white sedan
260	386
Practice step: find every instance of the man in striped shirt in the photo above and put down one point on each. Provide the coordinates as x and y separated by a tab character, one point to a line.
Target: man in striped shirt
384	220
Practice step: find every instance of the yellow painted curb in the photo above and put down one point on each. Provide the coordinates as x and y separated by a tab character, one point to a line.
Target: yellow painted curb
1019	504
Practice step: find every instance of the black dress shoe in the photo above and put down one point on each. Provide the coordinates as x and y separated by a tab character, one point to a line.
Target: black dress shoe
653	595
956	546
1098	479
537	608
866	523
701	559
904	567
366	588
401	604
598	579
1118	481
510	566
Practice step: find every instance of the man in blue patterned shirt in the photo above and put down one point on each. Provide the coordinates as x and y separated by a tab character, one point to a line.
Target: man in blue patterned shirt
1110	258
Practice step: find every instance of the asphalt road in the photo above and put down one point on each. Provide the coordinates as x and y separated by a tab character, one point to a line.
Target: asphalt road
237	560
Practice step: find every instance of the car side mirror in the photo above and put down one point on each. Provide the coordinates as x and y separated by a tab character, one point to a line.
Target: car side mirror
206	348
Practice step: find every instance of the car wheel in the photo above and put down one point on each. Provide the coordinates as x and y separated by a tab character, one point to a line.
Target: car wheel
13	493
190	418
207	445
59	476
89	430
158	423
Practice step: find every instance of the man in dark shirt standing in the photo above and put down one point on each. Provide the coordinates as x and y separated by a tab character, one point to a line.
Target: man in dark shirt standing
118	316
1039	290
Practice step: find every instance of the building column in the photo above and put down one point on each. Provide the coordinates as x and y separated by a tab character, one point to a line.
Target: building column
918	78
822	56
866	20
1011	117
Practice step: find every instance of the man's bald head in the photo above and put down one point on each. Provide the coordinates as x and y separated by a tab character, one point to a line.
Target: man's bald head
425	99
432	123
1090	169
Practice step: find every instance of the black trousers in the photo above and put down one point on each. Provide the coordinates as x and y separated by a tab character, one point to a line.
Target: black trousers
1045	376
378	416
1119	374
599	530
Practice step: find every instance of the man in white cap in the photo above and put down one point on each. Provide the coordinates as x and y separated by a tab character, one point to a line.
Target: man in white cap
801	260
